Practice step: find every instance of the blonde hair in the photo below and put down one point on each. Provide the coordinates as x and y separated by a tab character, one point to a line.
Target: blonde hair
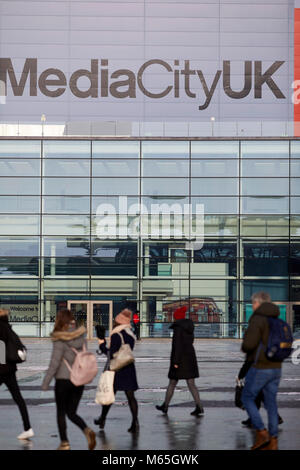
3	312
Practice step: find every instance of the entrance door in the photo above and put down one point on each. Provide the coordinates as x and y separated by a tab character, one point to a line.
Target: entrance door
90	313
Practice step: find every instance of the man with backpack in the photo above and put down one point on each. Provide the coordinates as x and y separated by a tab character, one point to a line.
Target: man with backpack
267	342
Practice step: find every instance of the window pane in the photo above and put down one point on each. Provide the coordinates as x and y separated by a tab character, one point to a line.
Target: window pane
295	205
19	246
20	186
266	259
67	149
265	186
216	225
215	149
111	149
295	168
217	205
66	168
21	167
215	168
115	168
265	168
118	204
20	148
265	149
214	186
265	205
66	204
259	226
173	202
161	149
295	186
114	259
19	266
66	186
295	149
66	247
19	204
165	186
113	186
278	290
165	168
66	224
19	225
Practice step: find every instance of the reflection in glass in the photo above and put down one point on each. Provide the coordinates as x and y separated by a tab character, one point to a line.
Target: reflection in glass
165	186
217	205
115	168
265	205
215	168
20	148
16	186
21	167
15	224
224	149
113	149
214	186
266	168
66	167
10	204
66	225
113	186
163	149
265	186
66	149
66	204
66	186
265	226
265	149
165	168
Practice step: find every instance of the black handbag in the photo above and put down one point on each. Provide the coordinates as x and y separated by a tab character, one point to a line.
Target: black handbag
238	396
13	346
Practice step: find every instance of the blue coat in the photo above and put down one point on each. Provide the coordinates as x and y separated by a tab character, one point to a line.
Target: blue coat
125	378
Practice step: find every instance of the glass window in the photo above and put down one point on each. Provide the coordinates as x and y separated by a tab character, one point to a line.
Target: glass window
295	168
165	168
115	168
211	149
19	246
214	186
9	204
120	204
66	186
217	205
17	266
278	290
165	149
20	148
23	309
295	226
295	149
217	225
294	261
266	168
295	186
165	186
265	205
67	247
66	204
172	203
265	149
16	186
216	252
113	149
113	186
67	149
73	266
19	224
215	168
66	224
264	226
265	186
295	205
266	259
114	259
21	167
66	167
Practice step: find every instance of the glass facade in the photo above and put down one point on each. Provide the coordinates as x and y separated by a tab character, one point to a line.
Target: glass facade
93	220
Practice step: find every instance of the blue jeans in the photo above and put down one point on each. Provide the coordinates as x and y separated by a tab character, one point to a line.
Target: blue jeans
266	380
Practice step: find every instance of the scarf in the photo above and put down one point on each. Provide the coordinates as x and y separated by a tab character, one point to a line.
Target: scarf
118	329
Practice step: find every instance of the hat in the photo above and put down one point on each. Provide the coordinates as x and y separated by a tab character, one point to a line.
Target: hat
124	317
179	313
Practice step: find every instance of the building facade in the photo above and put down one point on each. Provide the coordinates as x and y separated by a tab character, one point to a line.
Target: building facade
98	224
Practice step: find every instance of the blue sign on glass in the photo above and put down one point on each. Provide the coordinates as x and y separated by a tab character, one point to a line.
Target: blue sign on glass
282	309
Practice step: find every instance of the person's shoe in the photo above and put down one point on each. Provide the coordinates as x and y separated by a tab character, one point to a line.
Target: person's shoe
280	420
247	423
162	408
134	426
64	445
26	434
100	422
262	439
198	411
91	438
273	444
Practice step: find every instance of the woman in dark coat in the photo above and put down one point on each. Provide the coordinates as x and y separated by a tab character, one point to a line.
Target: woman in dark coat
125	378
183	361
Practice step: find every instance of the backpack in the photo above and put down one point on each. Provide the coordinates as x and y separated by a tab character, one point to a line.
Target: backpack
84	368
15	349
280	340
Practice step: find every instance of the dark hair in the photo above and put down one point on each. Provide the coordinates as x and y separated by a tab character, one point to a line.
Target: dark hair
63	318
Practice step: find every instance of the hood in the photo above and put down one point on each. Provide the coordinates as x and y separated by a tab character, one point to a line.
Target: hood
185	324
68	335
267	309
4	318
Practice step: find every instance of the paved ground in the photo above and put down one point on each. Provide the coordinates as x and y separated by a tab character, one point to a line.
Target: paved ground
219	362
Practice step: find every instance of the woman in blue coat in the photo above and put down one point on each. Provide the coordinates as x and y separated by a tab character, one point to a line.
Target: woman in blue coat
125	378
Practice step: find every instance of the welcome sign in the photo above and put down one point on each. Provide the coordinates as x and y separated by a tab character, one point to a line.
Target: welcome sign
149	61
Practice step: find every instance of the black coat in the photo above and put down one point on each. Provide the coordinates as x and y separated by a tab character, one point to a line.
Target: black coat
125	378
183	352
5	328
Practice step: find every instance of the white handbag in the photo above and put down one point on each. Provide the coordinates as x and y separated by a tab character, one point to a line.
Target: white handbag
105	391
123	357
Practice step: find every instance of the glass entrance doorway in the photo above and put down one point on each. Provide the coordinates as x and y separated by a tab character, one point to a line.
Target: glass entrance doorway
90	313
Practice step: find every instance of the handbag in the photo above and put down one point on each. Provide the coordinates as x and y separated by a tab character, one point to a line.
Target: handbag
123	357
238	394
105	392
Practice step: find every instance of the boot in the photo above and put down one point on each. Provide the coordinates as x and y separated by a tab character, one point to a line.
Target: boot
134	426
100	422
262	439
273	444
64	445
162	408
91	438
198	411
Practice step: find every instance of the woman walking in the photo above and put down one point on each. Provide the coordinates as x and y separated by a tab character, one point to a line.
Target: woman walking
66	336
8	377
125	378
183	361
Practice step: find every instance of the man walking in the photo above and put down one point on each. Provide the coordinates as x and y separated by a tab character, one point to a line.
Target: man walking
264	375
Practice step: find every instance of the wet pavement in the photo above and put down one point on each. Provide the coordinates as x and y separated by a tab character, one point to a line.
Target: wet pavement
219	429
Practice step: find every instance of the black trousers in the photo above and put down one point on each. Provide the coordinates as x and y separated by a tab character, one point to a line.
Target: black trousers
10	381
67	397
